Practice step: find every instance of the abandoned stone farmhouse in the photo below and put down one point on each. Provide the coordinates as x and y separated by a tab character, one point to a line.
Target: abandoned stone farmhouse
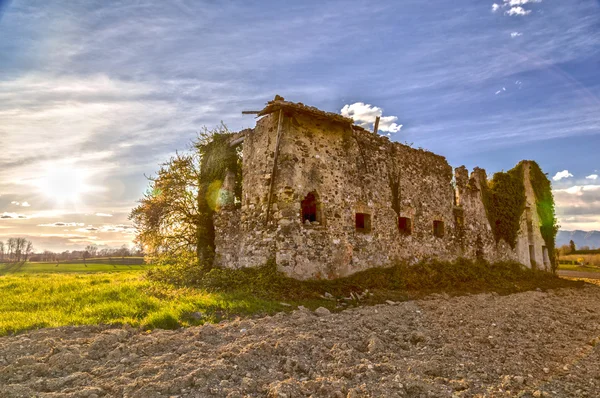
326	198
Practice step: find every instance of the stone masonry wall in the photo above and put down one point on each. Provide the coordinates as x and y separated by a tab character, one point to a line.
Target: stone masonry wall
350	170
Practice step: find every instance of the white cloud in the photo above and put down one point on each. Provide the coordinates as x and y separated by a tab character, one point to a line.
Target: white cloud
520	2
592	177
365	114
23	204
103	215
562	174
516	34
579	189
515	7
517	11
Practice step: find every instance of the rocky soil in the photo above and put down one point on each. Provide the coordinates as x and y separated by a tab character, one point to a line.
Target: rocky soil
533	344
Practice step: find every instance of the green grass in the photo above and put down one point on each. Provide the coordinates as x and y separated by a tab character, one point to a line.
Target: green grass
36	268
31	301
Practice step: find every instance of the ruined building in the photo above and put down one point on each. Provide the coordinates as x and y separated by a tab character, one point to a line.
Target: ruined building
326	198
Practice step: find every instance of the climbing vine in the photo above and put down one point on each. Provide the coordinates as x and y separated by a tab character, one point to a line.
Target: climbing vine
504	201
216	157
545	208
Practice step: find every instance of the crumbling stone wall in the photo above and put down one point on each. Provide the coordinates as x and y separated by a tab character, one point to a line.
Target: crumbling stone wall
531	248
352	171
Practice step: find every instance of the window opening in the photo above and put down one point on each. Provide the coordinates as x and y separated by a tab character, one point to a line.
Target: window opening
532	256
363	222
545	255
309	208
438	229
404	225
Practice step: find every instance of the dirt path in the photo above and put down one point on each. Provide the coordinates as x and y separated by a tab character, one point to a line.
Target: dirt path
534	344
579	274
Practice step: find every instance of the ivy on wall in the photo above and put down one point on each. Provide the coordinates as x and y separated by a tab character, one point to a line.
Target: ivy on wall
216	157
545	208
504	200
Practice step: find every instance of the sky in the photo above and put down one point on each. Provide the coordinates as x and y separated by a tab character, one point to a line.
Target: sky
94	95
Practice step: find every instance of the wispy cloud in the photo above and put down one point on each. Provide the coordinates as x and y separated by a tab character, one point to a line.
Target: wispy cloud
109	228
22	204
365	114
103	215
520	2
118	89
516	34
7	215
592	177
62	224
578	207
562	174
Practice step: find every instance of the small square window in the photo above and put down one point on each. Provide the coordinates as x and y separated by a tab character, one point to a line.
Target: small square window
363	222
438	229
405	225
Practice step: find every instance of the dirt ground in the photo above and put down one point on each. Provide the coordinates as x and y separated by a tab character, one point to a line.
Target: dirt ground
533	344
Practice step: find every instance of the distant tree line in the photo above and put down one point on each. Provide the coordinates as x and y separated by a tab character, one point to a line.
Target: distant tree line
15	250
21	250
90	251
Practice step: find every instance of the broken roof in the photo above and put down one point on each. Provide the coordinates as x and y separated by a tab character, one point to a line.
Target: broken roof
280	103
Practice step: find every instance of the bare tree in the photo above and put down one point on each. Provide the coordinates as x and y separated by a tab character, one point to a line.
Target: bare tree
28	249
11	248
92	250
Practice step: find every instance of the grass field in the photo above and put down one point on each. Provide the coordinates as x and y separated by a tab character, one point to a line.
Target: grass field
42	295
586	259
30	301
44	268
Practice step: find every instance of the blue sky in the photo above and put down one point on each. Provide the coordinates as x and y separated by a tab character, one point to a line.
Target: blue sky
95	94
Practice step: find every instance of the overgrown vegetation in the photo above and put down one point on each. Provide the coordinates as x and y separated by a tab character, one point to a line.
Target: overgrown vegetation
217	158
400	280
504	201
545	209
175	216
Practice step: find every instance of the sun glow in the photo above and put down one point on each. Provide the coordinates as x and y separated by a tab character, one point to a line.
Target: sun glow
64	184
